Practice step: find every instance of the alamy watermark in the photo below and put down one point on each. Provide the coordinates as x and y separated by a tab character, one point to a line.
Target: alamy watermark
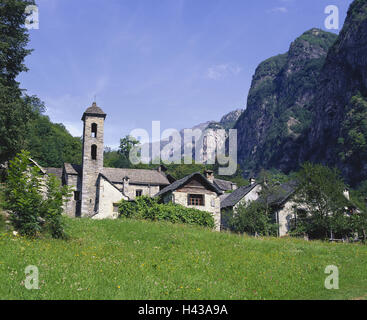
332	20
332	281
209	146
32	20
31	281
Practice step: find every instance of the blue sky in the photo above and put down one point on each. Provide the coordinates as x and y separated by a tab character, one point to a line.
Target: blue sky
181	62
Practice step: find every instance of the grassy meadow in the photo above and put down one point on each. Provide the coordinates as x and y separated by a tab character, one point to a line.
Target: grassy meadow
129	259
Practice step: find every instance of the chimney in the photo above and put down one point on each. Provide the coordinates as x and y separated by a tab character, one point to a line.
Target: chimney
126	182
209	174
233	186
346	194
162	168
252	181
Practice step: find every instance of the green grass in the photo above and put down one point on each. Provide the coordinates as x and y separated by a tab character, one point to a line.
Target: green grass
129	259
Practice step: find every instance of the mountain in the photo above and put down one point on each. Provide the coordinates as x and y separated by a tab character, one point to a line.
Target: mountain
271	129
338	133
207	141
227	122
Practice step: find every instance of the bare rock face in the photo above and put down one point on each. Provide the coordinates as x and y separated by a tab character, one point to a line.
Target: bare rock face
310	104
278	113
209	139
337	135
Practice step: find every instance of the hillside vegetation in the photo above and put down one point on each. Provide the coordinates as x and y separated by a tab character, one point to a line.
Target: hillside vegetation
130	259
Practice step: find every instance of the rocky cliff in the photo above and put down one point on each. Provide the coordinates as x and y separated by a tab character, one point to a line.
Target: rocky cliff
310	104
338	133
279	112
208	140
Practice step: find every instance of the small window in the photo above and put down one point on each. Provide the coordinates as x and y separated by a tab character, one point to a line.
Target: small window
94	130
139	193
195	199
213	202
115	207
76	195
94	152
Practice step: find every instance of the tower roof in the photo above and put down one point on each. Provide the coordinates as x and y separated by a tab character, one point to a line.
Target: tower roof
94	111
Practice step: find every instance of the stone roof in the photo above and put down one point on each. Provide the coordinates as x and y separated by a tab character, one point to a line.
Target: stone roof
73	169
94	110
179	183
223	196
237	196
136	176
281	194
224	185
54	171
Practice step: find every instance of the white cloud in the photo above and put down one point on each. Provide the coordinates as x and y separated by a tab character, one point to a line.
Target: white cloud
222	70
75	129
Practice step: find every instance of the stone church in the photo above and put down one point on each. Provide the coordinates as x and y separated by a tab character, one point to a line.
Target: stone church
97	189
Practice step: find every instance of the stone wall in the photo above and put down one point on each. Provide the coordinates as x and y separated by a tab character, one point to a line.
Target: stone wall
75	182
91	168
131	189
253	195
211	204
108	195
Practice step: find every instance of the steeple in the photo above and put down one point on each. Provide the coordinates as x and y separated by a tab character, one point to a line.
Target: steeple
93	146
94	111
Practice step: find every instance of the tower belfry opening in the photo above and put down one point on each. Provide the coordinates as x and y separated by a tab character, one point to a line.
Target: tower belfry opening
94	130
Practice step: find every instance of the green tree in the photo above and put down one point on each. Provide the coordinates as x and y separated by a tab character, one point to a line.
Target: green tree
320	193
253	219
127	144
51	145
16	110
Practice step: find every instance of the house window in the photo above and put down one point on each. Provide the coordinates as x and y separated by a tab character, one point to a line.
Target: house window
195	199
115	207
94	152
76	195
94	130
139	193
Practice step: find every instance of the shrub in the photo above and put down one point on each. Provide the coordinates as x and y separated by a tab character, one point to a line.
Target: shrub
2	222
32	210
252	219
149	209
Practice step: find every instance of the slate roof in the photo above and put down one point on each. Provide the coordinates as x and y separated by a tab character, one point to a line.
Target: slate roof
177	184
224	185
136	176
236	196
223	196
73	169
55	171
94	110
281	194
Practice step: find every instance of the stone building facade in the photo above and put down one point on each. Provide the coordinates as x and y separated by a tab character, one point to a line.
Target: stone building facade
97	189
194	191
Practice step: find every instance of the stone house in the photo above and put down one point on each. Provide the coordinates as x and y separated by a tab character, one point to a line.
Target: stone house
283	206
223	185
97	189
194	191
286	210
241	196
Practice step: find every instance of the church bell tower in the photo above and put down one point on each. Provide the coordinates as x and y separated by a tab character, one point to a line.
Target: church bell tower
92	165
